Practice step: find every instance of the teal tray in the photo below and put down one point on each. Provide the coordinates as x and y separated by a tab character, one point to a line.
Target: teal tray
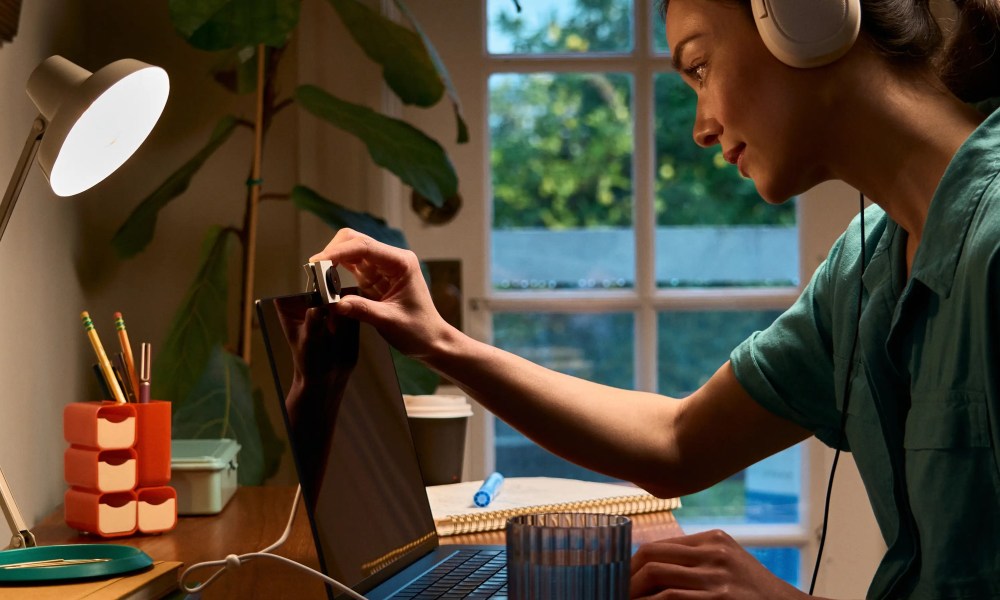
110	559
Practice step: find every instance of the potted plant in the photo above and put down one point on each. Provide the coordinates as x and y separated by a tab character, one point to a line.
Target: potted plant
198	366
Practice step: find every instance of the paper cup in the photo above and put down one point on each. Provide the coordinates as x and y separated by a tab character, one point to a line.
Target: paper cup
437	425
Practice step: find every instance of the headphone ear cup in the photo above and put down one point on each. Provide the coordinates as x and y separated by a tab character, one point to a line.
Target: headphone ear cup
807	33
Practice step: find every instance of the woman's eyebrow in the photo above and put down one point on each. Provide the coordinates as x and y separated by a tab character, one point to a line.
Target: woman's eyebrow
676	55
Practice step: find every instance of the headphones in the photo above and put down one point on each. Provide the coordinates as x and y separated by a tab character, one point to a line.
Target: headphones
807	33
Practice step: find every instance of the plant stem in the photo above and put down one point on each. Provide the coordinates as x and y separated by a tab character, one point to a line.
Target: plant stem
250	218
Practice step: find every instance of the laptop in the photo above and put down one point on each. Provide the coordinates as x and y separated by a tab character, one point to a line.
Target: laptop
346	423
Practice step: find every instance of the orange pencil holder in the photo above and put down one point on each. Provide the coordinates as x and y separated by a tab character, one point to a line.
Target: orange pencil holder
118	468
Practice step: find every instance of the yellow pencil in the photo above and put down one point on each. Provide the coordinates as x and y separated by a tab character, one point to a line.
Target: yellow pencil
102	358
127	351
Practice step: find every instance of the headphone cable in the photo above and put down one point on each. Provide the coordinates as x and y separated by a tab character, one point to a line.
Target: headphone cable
847	399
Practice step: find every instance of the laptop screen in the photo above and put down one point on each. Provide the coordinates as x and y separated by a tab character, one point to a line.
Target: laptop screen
350	440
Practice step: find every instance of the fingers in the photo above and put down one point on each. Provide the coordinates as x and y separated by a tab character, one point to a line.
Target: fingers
348	247
655	577
377	267
683	550
690	564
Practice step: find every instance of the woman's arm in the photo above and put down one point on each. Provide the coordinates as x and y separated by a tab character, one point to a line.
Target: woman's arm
668	446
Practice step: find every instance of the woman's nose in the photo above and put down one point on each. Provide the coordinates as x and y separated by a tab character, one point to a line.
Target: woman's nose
706	132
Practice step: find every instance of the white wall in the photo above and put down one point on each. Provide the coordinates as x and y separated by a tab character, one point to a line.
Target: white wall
42	351
56	259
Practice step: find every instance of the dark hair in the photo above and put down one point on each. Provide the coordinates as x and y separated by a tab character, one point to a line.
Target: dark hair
907	34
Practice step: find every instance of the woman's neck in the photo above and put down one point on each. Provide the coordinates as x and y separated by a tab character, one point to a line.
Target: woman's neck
904	133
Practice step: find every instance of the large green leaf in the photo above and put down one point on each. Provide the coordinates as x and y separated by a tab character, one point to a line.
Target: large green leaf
406	64
137	231
337	217
198	326
442	71
236	69
222	404
394	144
223	24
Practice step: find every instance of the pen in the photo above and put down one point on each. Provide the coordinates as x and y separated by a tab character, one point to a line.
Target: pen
489	490
102	358
101	383
144	365
121	369
129	376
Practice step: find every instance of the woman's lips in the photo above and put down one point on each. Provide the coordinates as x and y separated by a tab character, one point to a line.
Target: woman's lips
734	156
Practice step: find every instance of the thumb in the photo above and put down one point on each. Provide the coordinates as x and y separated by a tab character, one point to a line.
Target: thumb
362	309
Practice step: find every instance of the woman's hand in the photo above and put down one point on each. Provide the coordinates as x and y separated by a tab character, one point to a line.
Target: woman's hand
704	565
394	296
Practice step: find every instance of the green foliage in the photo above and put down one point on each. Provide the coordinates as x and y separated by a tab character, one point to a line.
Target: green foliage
406	66
209	385
594	26
136	232
396	145
222	404
199	325
562	145
463	130
337	217
562	150
223	24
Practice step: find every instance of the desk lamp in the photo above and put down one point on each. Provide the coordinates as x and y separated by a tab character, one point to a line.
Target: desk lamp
89	124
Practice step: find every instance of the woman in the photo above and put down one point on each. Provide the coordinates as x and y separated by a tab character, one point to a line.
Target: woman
916	342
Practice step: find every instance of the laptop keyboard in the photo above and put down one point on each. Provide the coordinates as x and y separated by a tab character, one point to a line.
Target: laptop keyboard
472	574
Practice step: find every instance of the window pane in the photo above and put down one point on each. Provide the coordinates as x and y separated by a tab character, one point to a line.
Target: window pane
576	344
561	159
692	346
659	35
782	561
559	26
712	228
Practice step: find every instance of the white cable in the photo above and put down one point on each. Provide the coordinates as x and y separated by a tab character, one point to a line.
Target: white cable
233	562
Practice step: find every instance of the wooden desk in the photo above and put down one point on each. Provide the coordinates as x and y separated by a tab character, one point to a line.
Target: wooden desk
253	520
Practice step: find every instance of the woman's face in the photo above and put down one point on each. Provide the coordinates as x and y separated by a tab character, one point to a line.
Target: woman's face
761	112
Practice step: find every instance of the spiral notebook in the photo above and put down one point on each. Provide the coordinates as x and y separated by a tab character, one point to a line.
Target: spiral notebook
454	512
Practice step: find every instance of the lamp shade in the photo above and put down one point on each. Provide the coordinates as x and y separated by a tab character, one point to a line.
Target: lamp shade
95	121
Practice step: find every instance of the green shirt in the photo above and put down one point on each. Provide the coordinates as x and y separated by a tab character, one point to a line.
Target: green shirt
923	416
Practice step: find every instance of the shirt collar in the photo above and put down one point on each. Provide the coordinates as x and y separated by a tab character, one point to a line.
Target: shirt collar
955	201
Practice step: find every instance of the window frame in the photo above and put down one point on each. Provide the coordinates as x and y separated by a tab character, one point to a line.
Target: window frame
821	216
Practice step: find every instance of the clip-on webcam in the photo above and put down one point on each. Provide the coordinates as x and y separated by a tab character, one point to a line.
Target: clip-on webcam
322	278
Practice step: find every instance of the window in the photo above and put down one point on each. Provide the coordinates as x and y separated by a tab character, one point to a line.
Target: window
599	240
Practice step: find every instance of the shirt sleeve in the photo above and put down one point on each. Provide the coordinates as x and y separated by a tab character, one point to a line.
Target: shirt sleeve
788	367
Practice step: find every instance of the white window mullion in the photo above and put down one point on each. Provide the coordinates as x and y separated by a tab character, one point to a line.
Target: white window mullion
643	161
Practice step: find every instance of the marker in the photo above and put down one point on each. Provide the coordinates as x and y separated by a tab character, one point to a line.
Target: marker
489	490
101	383
102	358
144	365
127	351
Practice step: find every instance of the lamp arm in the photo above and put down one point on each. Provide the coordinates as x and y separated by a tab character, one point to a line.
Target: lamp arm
20	536
21	171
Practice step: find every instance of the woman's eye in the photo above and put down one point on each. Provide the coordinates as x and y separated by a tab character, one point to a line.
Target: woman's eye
696	72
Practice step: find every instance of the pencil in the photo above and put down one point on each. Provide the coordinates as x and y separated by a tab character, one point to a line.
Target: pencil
127	351
102	358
